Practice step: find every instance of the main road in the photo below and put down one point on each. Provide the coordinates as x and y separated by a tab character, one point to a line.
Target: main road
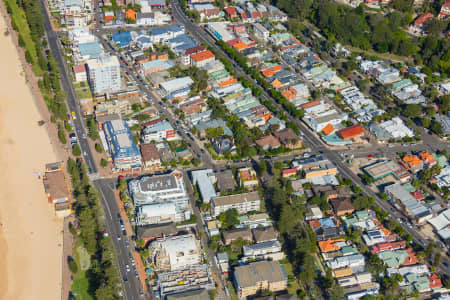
131	283
71	99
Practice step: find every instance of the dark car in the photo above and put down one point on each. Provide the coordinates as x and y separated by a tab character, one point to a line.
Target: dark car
125	278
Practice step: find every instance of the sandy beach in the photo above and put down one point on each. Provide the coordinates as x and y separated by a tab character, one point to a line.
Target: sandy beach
30	233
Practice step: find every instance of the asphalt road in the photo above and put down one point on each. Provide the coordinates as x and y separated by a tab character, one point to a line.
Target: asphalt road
132	285
71	99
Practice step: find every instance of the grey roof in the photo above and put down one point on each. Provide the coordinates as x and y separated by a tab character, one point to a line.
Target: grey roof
222	257
201	179
253	273
225	181
214	123
235	199
445	122
201	294
151	231
264	234
156	183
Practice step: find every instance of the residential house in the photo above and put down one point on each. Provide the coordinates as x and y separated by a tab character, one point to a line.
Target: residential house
248	178
130	15
232	235
268	142
445	11
80	73
313	212
265	250
288	138
150	156
417	26
342	206
266	234
225	181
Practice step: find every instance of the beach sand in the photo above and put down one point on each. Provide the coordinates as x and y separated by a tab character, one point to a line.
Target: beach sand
30	233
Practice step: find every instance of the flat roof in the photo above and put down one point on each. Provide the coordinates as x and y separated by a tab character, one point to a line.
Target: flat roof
55	185
381	168
157	183
236	199
249	275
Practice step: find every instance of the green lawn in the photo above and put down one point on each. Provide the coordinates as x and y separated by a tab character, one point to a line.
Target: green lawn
293	285
232	291
83	93
19	18
82	258
80	284
80	287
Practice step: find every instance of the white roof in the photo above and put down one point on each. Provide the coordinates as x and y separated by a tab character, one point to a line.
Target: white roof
180	246
155	210
444	233
441	221
176	84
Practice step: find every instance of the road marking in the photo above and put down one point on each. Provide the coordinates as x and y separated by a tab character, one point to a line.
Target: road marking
106	204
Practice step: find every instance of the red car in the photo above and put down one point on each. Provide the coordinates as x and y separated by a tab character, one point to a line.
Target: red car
349	79
370	156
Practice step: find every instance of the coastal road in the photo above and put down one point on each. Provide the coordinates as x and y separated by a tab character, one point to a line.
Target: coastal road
71	99
106	189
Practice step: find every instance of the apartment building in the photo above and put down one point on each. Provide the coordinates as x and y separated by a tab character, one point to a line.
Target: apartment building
104	74
159	189
158	213
123	150
175	252
243	203
259	276
158	132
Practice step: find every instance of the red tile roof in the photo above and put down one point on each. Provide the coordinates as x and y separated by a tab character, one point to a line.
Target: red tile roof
79	68
435	281
288	172
231	11
202	55
328	129
152	122
194	50
310	104
351	132
418	195
423	18
387	246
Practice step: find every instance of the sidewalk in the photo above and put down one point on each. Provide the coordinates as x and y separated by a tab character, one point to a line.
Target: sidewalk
68	244
129	229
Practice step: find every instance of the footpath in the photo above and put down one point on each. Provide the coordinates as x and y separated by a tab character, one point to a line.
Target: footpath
62	153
